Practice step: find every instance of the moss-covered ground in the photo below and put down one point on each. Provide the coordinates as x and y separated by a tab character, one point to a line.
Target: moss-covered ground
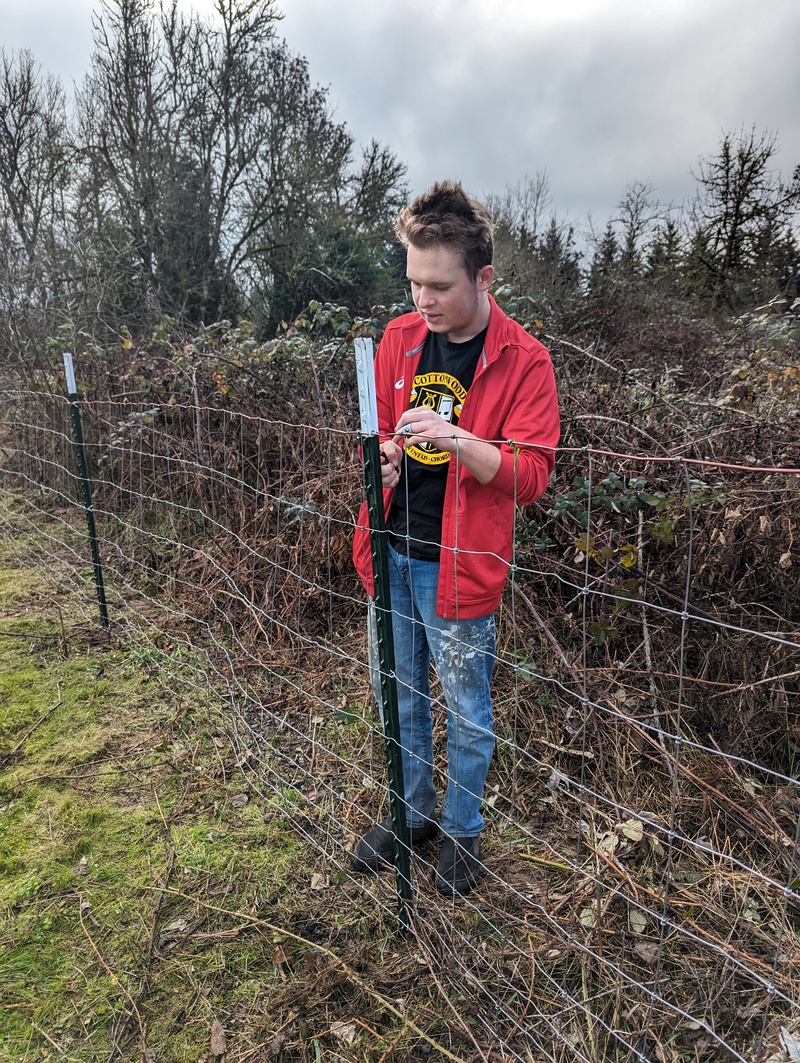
131	861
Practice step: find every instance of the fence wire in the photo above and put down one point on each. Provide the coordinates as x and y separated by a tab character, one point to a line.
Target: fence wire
641	895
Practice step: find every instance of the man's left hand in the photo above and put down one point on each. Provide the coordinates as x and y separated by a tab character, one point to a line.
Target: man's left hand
422	425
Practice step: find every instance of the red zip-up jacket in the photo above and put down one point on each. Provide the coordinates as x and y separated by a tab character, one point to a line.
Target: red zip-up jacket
513	402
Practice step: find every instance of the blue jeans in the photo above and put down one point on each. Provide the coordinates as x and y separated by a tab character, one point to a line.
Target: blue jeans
464	654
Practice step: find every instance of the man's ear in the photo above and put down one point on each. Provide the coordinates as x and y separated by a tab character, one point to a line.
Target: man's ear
485	276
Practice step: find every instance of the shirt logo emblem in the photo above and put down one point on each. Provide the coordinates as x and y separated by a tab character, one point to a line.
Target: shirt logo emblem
443	394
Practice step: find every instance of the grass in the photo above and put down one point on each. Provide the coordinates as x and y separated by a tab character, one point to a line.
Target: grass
121	849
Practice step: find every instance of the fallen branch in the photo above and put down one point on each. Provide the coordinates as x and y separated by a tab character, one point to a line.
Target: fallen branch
117	982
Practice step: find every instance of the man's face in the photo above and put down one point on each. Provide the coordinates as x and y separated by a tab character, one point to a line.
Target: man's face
444	295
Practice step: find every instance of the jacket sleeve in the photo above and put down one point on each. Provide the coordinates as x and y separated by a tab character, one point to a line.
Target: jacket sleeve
530	432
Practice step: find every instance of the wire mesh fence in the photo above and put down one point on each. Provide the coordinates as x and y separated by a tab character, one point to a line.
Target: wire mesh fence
641	898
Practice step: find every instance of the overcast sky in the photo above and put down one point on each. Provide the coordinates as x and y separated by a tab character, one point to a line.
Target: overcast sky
596	93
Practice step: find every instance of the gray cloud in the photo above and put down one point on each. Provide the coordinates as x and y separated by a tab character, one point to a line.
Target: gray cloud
57	32
598	93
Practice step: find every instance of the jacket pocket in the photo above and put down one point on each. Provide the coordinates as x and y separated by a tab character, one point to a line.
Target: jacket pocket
483	542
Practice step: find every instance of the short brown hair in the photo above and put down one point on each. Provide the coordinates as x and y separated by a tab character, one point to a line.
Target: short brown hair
445	214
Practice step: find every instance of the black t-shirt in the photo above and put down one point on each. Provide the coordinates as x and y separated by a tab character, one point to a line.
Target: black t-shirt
444	375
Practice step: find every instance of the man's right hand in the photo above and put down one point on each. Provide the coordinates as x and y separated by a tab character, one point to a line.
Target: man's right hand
391	456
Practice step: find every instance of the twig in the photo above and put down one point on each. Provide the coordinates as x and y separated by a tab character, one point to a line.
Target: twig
64	643
115	980
29	635
767	812
446	998
317	388
557	647
549	635
555	865
69	777
394	1043
198	432
648	654
587	354
741	687
156	914
47	1037
623	424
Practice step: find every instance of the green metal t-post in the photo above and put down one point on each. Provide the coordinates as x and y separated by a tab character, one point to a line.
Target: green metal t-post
370	449
83	469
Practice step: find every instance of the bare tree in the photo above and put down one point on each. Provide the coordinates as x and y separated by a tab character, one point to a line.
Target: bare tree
534	248
521	210
34	167
209	147
638	213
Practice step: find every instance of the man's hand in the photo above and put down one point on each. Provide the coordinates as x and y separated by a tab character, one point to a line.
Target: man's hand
422	425
391	456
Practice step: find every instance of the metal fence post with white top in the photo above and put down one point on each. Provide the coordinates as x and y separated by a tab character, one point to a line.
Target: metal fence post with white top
370	449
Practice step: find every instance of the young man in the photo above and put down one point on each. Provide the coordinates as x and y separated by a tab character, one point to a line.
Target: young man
466	399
